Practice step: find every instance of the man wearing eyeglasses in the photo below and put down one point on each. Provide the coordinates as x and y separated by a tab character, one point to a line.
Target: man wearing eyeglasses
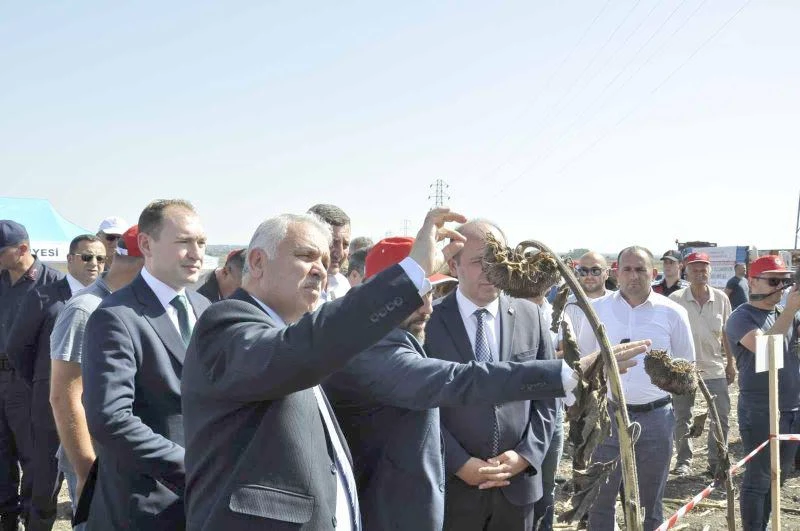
768	278
110	231
21	271
28	349
592	272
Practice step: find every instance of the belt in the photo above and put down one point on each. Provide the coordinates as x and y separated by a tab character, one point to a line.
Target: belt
650	406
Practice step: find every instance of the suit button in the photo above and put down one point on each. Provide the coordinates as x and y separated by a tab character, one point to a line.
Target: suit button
398	301
333	521
333	468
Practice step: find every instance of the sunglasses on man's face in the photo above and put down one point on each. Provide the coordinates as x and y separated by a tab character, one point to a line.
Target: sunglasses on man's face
586	271
88	257
775	282
112	237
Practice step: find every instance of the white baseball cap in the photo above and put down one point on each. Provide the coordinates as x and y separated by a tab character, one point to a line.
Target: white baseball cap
113	225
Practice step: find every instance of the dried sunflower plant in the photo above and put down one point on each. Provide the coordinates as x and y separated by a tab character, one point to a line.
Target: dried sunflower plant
680	377
528	270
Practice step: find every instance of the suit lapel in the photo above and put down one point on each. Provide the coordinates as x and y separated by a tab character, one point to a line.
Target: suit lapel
64	291
508	319
156	315
455	325
198	302
335	423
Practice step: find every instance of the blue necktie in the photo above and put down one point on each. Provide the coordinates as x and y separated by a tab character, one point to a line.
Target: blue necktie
484	353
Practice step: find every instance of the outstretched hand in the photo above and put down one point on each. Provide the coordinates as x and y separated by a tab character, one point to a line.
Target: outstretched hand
425	250
624	352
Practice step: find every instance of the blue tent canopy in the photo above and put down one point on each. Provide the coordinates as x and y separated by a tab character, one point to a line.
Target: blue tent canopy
40	219
49	233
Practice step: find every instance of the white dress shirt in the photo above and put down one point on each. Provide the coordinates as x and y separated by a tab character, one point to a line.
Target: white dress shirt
467	310
659	319
74	284
338	286
348	516
165	294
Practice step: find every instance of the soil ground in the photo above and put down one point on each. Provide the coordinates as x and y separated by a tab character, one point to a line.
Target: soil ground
711	518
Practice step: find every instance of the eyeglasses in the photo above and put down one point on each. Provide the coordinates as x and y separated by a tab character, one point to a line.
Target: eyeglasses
586	271
775	282
88	257
112	237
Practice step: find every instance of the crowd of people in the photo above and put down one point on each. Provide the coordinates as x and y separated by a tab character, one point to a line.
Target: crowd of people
314	381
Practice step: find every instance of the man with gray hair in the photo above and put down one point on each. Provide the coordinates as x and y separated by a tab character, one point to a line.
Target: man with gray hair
263	448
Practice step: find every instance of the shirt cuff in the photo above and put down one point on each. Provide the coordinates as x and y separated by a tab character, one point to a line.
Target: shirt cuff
570	381
417	275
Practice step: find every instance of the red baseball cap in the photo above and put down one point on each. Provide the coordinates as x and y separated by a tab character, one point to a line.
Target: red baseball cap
391	251
128	244
698	257
770	263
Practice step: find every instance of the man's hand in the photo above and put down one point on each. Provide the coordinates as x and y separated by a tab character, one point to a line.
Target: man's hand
793	300
470	473
730	373
624	353
425	251
502	468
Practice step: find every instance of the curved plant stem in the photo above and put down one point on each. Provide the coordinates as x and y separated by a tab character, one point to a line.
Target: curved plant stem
723	453
630	484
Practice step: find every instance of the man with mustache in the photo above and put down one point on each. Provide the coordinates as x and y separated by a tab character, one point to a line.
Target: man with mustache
135	346
387	399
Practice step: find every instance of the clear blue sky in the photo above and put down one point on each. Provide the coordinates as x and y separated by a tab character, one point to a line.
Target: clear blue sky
580	123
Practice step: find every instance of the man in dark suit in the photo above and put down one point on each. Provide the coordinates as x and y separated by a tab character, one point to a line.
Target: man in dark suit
263	448
223	281
136	343
477	323
29	351
20	272
386	400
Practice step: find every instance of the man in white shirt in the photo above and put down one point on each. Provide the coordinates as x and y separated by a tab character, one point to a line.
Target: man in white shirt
339	222
631	313
135	346
592	273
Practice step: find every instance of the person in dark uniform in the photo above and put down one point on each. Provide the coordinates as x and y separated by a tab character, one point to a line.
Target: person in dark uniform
21	272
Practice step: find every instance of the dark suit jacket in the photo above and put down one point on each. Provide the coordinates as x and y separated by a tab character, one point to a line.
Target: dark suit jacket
386	400
29	345
29	342
525	426
257	454
210	288
131	392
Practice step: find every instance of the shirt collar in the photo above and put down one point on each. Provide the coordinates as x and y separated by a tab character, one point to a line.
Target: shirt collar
275	317
163	292
74	284
466	307
34	271
690	296
649	300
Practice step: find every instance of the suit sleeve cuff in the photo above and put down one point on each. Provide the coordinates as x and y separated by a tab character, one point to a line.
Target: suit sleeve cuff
570	381
416	275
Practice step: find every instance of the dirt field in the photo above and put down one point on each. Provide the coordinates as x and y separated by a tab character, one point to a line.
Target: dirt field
677	489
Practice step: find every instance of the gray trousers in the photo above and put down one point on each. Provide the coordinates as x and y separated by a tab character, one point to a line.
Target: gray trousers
718	387
653	452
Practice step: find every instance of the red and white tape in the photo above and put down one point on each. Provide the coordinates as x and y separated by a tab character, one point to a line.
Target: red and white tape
668	524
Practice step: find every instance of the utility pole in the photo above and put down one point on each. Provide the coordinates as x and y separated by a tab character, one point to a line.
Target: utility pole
439	193
797	224
406	226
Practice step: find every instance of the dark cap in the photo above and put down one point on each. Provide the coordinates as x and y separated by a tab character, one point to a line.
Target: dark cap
11	233
675	256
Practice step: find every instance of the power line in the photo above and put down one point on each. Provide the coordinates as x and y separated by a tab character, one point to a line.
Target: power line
439	195
568	129
655	90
